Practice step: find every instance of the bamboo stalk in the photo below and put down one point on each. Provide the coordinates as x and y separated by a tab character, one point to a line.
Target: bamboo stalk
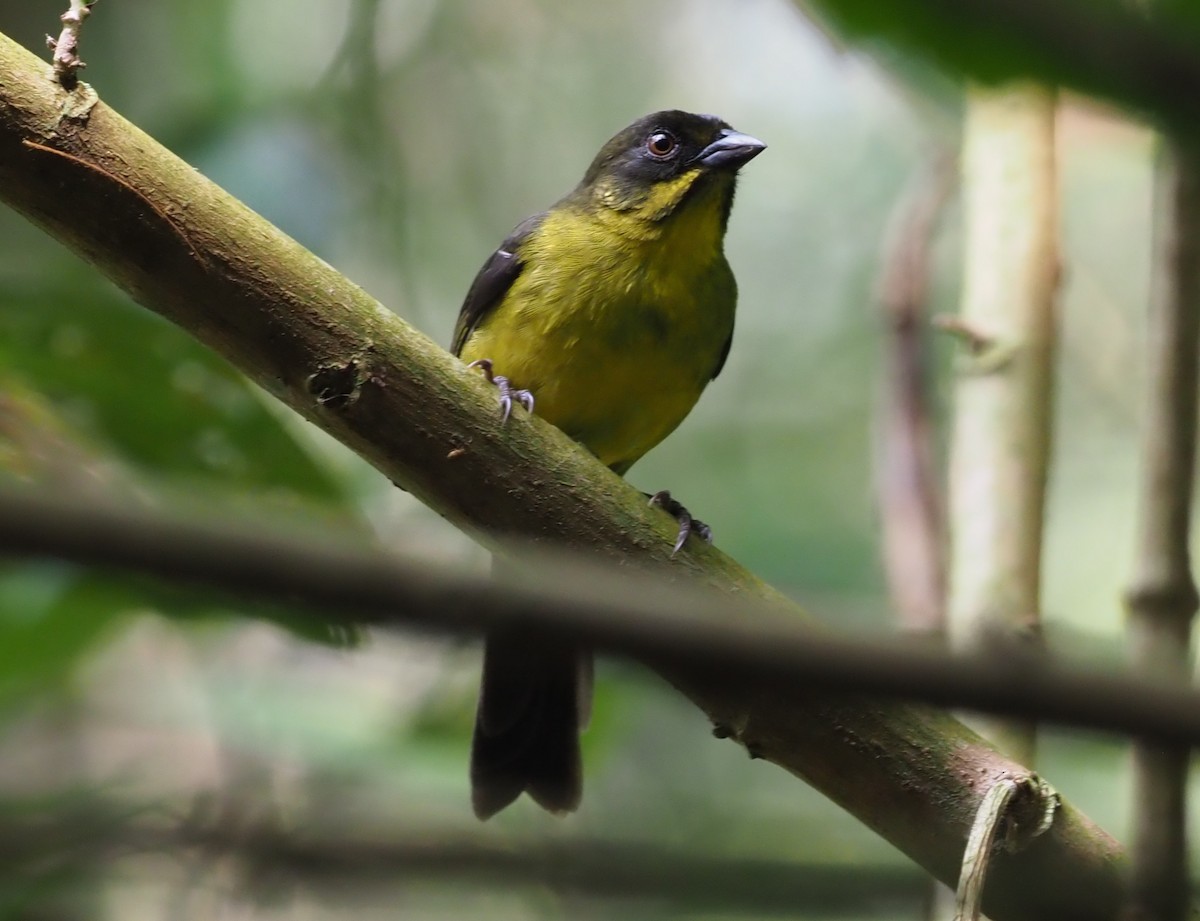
1000	445
1162	598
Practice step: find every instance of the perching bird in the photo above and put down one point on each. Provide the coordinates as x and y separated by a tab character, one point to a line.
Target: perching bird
610	313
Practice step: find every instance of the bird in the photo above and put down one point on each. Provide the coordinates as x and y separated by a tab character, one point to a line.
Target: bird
607	315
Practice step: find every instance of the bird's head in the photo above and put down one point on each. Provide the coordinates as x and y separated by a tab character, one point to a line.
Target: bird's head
666	159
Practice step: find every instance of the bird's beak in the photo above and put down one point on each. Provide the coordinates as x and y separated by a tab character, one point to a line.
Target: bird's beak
731	150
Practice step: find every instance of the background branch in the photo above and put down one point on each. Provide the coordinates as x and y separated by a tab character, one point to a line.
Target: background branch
680	631
907	480
330	860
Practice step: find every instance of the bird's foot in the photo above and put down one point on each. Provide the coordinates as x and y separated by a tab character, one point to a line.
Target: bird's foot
508	393
687	524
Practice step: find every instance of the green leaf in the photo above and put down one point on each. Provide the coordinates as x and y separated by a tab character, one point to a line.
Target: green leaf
1147	60
143	391
50	614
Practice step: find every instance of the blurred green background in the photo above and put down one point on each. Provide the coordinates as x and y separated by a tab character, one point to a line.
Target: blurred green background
401	140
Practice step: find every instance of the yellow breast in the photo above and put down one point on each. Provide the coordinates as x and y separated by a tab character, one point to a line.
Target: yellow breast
615	324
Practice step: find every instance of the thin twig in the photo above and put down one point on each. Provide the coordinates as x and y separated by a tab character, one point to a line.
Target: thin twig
67	63
1162	596
1013	812
103	174
981	843
974	339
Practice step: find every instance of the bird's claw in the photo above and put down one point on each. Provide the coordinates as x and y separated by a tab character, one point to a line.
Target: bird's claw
508	393
687	524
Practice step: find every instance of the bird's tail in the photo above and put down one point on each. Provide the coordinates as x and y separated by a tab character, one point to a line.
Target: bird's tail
534	699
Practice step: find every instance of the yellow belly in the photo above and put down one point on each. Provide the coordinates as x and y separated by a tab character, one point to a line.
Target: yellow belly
615	344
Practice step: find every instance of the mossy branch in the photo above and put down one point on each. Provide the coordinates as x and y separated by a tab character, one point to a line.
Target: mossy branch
187	250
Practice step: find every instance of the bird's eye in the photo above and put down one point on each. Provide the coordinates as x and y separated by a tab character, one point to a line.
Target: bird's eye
661	144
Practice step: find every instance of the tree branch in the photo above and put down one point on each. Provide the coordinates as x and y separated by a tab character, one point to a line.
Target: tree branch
187	250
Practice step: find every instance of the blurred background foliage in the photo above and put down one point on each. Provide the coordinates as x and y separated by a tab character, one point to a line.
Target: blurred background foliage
400	140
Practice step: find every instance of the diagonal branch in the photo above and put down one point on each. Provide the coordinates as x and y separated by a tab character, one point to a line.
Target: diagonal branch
187	250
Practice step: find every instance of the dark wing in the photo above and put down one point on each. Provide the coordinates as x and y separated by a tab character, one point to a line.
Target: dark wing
493	282
724	355
725	287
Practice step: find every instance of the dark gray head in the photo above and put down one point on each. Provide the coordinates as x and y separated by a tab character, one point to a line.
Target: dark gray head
659	160
667	144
